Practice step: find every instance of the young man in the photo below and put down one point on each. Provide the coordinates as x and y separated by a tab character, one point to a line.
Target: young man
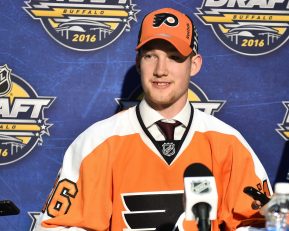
126	172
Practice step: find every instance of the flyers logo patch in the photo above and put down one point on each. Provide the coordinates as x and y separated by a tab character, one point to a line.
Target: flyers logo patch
166	18
22	120
160	211
83	25
247	27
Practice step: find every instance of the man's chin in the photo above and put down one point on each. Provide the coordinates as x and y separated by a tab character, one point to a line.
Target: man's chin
159	103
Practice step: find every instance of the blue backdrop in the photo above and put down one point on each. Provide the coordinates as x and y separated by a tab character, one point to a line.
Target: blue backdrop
83	80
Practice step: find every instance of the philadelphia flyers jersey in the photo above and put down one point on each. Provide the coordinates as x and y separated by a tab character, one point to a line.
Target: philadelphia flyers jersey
114	177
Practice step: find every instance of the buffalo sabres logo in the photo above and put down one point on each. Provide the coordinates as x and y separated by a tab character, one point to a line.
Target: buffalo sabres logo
284	126
247	27
22	121
5	80
83	25
168	149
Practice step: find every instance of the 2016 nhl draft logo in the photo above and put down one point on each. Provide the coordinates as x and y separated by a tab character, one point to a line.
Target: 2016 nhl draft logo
83	25
22	121
284	127
196	96
250	27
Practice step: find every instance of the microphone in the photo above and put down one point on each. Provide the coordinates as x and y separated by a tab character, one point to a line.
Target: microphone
201	197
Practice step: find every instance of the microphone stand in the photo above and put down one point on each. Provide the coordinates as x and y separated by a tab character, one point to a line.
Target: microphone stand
201	211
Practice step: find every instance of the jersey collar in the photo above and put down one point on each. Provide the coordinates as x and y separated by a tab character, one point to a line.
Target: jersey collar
150	116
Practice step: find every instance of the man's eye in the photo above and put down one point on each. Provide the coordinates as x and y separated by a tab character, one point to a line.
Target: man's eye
147	56
176	58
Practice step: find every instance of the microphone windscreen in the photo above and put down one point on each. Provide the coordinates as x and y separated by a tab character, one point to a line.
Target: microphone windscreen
199	187
197	170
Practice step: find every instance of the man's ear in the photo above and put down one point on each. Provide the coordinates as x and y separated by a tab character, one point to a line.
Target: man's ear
196	64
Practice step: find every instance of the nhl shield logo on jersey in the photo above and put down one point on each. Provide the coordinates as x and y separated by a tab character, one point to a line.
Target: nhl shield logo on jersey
284	126
83	25
247	27
168	149
22	121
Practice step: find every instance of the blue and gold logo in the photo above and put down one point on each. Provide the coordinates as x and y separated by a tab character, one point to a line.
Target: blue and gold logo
83	25
22	120
248	27
284	126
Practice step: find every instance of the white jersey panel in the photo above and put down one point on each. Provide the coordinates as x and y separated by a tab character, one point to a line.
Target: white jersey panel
87	141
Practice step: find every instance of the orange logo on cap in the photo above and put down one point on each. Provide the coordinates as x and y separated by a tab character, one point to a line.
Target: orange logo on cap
168	19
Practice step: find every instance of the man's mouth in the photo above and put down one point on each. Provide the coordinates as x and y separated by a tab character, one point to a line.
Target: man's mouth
161	84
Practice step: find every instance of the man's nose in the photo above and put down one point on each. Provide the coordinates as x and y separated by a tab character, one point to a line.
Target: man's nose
161	68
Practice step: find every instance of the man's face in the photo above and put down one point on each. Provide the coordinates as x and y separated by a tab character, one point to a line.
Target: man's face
165	75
